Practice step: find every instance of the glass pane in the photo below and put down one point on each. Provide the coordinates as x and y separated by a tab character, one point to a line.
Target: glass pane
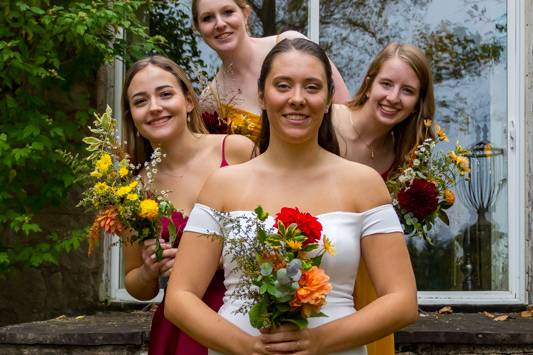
467	45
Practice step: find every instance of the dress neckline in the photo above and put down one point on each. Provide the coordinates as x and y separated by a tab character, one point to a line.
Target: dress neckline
348	213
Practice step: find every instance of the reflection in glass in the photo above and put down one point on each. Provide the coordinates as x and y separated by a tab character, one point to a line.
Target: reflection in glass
465	41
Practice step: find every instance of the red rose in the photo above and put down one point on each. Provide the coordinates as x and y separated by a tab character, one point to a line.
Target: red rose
179	222
307	224
420	198
214	124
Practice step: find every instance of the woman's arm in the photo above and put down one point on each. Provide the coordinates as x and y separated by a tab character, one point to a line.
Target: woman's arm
142	270
196	263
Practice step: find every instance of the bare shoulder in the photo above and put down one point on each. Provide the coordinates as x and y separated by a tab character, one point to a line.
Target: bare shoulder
222	184
238	149
290	35
340	116
363	184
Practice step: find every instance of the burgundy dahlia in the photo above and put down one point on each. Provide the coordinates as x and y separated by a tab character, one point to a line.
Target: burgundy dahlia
214	124
420	198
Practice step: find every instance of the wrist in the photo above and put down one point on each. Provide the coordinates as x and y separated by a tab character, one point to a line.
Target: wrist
148	278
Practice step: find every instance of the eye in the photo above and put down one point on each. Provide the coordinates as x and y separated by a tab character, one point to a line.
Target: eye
409	91
206	18
138	102
386	83
313	87
229	12
167	94
282	86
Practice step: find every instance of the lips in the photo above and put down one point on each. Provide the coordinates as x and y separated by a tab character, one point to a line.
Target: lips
159	121
388	110
223	35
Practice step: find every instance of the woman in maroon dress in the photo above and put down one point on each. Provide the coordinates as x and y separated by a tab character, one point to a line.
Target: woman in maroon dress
159	109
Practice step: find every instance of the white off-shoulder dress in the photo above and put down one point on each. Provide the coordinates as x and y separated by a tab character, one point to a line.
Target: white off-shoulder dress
345	229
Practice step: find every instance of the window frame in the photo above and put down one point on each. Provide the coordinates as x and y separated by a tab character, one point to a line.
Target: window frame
517	295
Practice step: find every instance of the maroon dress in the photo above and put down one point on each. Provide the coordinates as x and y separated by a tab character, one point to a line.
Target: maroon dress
165	337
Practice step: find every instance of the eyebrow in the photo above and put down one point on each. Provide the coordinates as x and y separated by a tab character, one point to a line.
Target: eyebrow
159	88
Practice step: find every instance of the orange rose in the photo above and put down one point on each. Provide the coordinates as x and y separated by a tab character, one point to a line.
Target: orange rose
314	286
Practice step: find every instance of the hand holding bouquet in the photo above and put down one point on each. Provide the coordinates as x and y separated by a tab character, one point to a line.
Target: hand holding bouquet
421	190
123	202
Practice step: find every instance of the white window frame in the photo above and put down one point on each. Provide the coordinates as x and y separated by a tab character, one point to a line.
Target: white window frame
516	178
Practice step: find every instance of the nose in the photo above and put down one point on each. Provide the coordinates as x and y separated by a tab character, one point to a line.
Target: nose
219	22
394	95
155	106
297	99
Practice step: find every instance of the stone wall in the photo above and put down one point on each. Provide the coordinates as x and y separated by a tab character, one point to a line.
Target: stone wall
74	286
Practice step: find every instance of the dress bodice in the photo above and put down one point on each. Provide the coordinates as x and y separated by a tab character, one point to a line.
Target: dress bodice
344	229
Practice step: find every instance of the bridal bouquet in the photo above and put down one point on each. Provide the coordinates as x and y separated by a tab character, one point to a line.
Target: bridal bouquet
288	284
421	190
123	202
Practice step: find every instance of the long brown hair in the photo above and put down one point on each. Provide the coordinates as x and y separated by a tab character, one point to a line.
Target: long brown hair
139	148
242	4
411	131
326	133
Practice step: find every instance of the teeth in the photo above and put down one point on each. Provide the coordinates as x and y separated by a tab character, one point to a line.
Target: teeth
388	110
295	117
223	36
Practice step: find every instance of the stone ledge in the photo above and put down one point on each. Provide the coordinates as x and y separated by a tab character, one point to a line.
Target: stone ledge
467	328
133	328
109	328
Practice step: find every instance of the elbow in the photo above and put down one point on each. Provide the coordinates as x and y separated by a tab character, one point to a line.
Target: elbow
411	311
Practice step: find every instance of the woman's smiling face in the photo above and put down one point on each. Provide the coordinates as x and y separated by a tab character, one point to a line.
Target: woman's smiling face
222	23
394	93
157	103
295	96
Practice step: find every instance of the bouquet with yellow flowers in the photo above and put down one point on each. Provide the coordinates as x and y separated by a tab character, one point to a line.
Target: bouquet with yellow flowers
421	189
123	202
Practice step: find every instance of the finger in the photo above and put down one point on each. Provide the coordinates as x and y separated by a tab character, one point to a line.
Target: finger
279	337
288	346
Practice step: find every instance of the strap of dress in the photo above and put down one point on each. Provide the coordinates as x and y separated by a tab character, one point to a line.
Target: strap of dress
224	162
277	38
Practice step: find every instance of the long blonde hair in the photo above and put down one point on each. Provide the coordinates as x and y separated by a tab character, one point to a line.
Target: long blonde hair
139	148
412	131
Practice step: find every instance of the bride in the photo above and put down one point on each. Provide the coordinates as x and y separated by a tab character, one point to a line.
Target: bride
297	167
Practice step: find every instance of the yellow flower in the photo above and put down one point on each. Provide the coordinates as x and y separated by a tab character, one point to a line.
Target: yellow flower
149	209
100	187
442	135
463	163
449	197
487	149
294	245
123	190
453	156
132	197
104	163
96	174
428	122
133	184
328	246
123	171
